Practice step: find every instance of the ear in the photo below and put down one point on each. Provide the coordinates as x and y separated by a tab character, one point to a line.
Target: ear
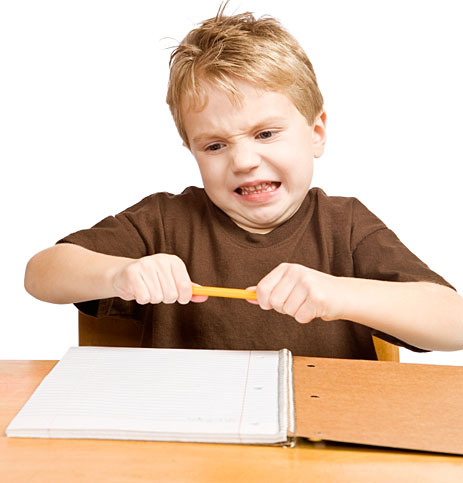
319	134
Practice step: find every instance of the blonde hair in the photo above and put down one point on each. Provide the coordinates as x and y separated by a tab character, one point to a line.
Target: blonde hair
224	48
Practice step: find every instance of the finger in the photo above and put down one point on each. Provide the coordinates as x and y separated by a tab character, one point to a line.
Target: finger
280	283
267	284
153	285
130	286
182	281
167	281
294	300
281	293
305	313
141	292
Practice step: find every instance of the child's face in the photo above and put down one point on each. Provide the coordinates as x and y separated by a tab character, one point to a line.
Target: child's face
255	157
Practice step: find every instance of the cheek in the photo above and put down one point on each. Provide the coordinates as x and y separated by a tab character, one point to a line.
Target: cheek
292	150
299	174
211	173
294	161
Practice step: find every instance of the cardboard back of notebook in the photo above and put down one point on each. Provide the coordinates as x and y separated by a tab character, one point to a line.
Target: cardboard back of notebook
410	406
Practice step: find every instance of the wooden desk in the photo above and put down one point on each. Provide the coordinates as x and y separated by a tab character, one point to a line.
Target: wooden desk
50	460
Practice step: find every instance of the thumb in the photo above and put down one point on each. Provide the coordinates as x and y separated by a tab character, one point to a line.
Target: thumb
254	302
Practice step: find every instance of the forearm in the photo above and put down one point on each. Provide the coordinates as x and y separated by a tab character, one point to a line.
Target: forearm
425	315
68	273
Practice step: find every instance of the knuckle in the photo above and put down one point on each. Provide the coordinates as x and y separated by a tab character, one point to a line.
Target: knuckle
302	318
288	310
142	300
184	287
306	278
170	297
124	295
170	258
177	260
156	298
145	262
263	288
276	303
263	304
265	307
305	314
157	259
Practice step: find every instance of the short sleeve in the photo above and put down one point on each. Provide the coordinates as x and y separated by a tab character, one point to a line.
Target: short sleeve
150	226
379	254
127	234
115	235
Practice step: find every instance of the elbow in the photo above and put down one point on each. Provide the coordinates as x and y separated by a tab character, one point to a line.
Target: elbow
30	279
441	323
44	279
37	277
452	307
458	342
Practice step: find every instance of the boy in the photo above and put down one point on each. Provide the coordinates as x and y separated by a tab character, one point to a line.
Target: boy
327	272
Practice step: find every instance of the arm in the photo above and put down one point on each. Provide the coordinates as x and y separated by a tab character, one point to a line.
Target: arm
68	273
425	315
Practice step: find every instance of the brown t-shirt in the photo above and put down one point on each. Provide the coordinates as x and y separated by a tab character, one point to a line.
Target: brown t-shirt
335	235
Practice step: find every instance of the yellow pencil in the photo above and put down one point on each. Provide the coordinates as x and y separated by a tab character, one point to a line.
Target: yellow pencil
234	293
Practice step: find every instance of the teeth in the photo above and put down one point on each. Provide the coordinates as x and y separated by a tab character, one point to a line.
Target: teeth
260	188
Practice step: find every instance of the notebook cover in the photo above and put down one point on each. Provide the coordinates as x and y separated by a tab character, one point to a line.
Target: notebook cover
409	406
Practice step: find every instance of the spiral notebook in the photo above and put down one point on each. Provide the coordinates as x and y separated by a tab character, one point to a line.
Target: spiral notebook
244	397
163	395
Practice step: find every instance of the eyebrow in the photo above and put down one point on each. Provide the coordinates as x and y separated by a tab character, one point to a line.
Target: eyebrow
270	121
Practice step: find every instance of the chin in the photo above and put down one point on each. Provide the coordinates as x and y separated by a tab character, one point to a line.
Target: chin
261	225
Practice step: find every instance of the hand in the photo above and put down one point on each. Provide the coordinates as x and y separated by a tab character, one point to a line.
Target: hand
298	291
155	279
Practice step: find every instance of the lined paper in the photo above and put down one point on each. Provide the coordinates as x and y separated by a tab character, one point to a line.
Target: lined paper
158	394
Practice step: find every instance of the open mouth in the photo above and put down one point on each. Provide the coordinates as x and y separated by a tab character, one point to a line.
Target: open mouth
264	187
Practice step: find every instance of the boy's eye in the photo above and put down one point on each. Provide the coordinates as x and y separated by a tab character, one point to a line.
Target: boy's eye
214	147
265	134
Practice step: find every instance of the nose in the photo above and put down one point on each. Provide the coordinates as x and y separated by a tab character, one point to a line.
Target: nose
243	158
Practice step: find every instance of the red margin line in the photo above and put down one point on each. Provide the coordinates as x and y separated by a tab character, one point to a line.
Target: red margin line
244	397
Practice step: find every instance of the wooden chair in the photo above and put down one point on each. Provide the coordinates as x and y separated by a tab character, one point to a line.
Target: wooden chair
123	332
385	350
109	331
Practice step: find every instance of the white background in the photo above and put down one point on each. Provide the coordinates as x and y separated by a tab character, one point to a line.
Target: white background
85	131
